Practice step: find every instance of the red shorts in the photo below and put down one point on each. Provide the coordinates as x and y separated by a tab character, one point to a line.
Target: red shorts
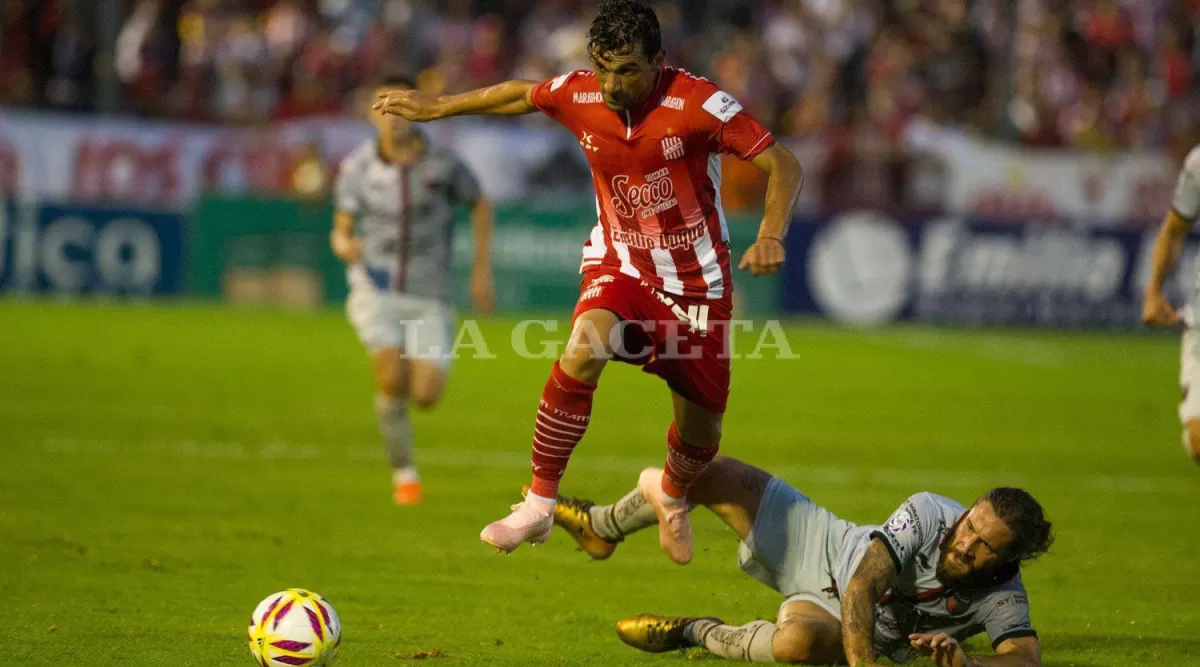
685	341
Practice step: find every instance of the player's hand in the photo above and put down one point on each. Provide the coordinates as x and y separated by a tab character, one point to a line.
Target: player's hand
483	291
764	257
347	248
413	105
942	649
1157	311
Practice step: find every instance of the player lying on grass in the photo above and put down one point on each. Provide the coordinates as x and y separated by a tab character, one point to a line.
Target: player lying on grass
934	574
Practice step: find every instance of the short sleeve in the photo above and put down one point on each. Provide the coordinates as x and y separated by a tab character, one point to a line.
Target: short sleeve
731	127
464	188
908	529
1004	615
347	191
550	96
1186	201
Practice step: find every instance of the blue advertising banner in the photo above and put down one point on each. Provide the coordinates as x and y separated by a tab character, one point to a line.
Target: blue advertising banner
77	250
866	268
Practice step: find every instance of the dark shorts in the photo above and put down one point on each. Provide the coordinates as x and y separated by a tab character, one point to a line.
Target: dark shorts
685	341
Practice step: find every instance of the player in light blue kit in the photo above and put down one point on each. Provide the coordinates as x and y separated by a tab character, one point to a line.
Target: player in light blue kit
932	575
1158	312
396	197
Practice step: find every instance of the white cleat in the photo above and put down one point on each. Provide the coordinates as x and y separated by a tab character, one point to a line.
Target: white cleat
531	521
674	527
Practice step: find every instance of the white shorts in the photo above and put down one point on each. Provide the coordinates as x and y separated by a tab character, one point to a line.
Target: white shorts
793	547
420	326
1189	376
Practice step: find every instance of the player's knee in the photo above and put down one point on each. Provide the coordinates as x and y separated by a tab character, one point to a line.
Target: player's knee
582	362
1191	439
389	381
796	644
425	395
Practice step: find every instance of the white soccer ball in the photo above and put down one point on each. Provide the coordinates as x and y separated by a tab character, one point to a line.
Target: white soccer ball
295	628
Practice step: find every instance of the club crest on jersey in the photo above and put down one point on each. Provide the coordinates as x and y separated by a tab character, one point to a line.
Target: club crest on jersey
653	197
586	98
672	148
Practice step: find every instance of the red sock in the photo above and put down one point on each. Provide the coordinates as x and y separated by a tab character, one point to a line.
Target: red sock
685	464
562	419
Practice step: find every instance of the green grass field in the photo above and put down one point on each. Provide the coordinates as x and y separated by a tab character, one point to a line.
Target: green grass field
164	468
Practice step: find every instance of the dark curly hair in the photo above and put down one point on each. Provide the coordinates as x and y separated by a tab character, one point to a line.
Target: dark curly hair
1032	533
621	25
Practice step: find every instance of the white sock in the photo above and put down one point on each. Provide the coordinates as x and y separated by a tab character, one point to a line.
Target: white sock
548	502
405	475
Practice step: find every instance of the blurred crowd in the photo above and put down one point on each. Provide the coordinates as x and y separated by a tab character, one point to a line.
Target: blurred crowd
1091	74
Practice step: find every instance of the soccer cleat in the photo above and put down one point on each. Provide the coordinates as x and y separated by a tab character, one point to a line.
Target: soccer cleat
674	527
573	515
656	634
407	493
530	521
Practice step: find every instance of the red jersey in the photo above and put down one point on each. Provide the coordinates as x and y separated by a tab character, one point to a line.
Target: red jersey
657	174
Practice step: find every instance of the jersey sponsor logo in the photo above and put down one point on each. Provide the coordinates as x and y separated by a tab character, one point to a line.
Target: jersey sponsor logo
900	522
672	148
722	105
669	241
586	142
601	280
587	98
672	102
654	196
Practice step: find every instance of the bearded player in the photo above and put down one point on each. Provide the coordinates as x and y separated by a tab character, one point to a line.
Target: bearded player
657	282
1158	312
934	574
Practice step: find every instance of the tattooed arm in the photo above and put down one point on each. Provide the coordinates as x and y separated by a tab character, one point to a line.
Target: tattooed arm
875	574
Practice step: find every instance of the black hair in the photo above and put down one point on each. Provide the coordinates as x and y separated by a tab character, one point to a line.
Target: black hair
621	25
1032	533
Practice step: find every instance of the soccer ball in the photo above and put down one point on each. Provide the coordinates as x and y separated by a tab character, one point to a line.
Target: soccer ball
295	628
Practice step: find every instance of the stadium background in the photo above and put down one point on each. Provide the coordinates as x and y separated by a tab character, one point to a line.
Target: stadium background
186	415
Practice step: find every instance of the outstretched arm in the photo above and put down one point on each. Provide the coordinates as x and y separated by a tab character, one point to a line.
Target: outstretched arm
875	574
511	98
945	651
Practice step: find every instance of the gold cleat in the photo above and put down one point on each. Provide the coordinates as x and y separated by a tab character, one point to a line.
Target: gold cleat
656	634
572	515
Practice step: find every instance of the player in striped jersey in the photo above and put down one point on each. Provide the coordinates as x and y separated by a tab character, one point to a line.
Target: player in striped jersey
658	284
396	200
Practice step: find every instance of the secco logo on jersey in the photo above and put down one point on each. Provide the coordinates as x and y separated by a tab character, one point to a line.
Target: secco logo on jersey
654	197
587	98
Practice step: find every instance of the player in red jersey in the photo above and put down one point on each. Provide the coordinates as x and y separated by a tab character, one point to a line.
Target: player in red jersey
657	282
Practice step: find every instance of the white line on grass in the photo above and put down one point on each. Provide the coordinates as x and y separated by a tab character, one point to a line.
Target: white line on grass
910	479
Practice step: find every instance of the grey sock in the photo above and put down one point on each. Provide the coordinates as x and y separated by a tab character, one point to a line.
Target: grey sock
752	641
395	429
629	515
